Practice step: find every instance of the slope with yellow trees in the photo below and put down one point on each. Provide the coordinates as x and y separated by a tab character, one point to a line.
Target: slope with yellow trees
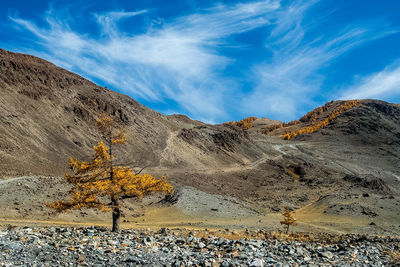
319	125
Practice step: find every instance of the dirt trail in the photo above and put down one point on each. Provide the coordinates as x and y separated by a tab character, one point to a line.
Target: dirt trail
12	179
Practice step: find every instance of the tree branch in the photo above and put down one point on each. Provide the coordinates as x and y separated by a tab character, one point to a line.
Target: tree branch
136	173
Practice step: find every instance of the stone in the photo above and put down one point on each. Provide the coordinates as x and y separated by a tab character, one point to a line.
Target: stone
270	260
257	263
113	242
132	259
220	242
164	231
327	254
74	246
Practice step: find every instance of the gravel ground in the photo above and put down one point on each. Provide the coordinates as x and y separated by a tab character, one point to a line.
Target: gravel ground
98	247
195	202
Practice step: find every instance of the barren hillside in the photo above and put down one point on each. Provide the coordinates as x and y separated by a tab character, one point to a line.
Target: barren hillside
341	163
47	114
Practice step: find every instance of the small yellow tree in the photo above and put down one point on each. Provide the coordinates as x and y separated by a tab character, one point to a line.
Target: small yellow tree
288	219
101	185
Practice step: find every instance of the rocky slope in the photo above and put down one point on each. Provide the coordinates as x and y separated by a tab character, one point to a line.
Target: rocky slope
48	114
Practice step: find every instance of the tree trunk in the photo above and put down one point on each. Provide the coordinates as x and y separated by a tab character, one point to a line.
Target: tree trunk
116	214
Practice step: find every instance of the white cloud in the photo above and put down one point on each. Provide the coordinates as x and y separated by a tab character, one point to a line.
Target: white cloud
177	60
108	20
286	85
180	59
384	85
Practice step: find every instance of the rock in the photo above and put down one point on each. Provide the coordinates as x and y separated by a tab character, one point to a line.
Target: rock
257	263
113	242
327	254
220	242
176	263
72	245
243	256
164	231
132	259
276	209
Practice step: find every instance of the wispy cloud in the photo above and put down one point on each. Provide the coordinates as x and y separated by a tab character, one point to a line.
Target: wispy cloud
108	21
384	85
181	60
287	84
177	61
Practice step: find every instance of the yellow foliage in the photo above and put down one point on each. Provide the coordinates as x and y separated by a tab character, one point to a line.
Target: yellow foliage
105	123
273	127
245	124
315	127
119	137
96	182
313	115
288	219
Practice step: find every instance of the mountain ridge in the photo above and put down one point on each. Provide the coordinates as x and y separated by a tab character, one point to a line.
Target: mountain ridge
39	86
48	114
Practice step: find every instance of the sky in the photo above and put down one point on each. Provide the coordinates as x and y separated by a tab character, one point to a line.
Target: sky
218	61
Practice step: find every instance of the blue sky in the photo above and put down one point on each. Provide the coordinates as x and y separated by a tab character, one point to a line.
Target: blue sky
218	61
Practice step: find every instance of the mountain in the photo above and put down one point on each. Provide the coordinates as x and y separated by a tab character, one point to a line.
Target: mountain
340	160
48	114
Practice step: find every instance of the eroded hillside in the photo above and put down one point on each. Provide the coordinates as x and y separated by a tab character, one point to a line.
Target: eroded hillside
341	162
48	114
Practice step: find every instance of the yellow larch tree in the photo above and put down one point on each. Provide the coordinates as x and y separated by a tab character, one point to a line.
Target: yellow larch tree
101	185
288	219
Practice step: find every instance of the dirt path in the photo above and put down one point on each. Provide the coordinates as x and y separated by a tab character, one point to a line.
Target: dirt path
13	179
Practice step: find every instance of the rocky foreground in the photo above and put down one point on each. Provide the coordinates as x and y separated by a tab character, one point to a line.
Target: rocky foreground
99	247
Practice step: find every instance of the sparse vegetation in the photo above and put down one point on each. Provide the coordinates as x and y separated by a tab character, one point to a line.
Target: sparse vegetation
273	127
101	185
313	115
245	124
288	219
312	118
